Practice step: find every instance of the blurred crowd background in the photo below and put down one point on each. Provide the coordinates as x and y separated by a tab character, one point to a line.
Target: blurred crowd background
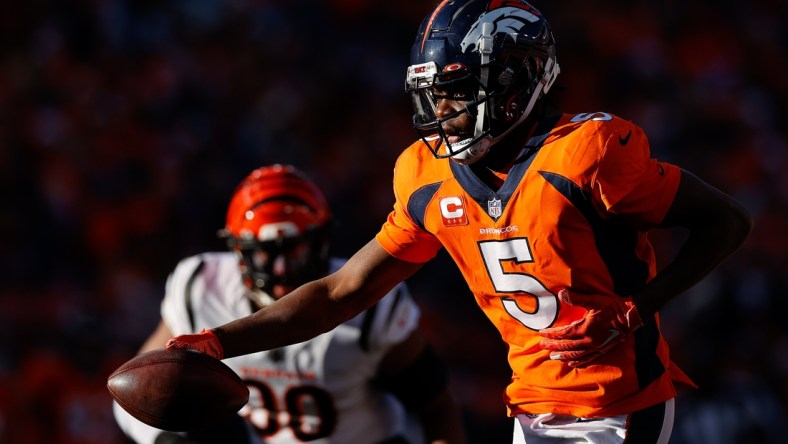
125	125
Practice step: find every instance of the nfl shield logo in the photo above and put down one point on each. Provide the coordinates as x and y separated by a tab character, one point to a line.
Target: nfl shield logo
494	208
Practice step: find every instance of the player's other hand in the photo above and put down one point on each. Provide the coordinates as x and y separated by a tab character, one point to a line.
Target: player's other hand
204	341
599	330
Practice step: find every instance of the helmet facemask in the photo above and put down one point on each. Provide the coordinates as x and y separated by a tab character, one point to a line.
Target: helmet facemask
500	70
457	82
285	262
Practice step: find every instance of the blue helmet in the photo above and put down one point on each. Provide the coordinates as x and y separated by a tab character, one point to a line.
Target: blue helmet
500	53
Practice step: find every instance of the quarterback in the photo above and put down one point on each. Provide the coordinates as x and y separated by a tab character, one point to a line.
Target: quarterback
547	216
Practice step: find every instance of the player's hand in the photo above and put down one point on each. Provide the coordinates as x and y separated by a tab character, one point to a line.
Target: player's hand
204	341
598	331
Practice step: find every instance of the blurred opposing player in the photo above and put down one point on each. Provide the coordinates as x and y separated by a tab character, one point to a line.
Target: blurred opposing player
546	215
361	382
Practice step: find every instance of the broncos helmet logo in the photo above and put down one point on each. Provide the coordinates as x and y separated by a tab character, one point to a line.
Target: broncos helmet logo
508	20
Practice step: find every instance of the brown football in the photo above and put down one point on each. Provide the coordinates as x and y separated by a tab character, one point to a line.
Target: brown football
177	390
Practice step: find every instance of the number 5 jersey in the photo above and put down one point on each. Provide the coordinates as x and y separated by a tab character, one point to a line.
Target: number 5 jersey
572	212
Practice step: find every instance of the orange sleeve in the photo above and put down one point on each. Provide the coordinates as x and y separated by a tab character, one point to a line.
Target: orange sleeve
628	182
400	236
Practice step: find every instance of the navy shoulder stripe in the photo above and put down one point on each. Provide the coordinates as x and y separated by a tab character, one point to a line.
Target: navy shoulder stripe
616	242
615	239
417	204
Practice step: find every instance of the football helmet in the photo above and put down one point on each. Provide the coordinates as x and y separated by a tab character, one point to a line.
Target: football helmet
278	223
497	56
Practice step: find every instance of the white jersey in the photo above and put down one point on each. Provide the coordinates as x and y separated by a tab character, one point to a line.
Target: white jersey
317	391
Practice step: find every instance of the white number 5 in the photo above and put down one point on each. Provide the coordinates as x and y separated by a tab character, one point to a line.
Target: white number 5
495	253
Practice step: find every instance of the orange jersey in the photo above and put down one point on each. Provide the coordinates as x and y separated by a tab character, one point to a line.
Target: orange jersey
572	213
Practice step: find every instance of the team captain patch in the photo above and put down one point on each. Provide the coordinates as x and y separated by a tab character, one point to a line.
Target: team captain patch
453	211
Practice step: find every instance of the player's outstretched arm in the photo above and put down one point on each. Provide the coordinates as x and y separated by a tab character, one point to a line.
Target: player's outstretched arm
310	310
717	226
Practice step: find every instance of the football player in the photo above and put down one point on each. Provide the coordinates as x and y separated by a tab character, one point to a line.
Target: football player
546	215
354	383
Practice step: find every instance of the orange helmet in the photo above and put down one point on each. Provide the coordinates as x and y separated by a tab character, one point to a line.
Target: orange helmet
278	222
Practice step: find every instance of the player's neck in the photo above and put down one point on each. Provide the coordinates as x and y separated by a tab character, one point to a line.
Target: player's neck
503	154
494	167
493	179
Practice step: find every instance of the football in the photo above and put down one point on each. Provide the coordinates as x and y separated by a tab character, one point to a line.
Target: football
177	390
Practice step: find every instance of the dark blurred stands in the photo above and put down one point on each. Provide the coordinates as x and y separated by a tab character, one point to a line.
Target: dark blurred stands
125	125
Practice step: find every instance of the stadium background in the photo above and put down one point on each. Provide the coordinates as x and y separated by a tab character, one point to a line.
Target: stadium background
125	125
